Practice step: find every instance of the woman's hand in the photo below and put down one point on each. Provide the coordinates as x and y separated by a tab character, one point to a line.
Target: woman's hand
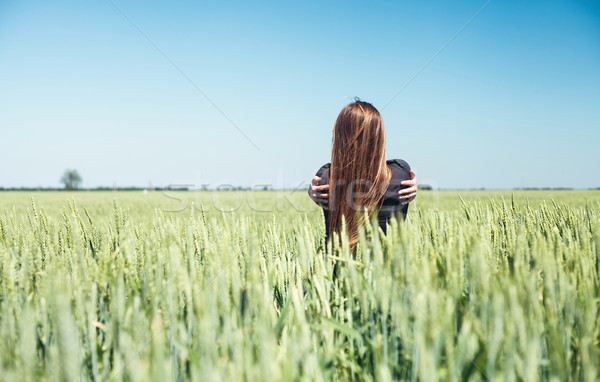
408	194
319	194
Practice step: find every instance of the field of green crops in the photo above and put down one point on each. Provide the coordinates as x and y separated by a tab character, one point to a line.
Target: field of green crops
232	286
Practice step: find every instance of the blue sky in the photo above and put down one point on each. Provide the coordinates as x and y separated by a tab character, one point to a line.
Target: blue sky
512	101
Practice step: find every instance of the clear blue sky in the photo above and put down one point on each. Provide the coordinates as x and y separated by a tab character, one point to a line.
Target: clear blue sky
512	101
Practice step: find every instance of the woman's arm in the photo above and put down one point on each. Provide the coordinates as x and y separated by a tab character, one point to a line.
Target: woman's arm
320	194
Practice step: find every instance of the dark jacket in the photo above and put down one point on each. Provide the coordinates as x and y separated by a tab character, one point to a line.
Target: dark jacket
391	201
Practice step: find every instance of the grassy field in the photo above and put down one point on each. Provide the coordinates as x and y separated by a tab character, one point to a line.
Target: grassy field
236	286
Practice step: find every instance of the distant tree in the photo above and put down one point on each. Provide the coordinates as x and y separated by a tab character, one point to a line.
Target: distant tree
71	179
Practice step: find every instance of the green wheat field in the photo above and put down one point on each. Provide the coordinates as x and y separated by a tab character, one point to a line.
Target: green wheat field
238	286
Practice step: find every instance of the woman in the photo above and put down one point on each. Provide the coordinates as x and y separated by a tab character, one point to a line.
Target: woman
359	178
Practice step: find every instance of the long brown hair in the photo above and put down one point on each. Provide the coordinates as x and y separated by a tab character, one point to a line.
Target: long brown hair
359	175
